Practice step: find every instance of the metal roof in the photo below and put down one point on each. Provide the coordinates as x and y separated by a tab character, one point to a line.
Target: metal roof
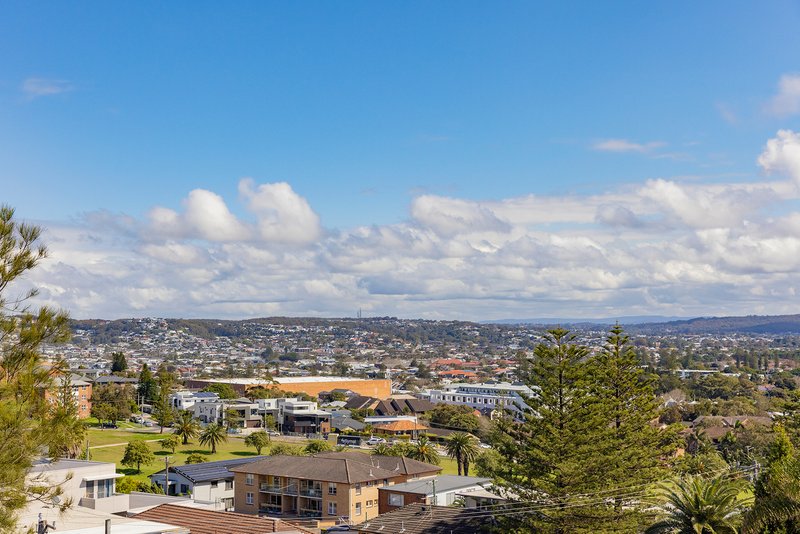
209	471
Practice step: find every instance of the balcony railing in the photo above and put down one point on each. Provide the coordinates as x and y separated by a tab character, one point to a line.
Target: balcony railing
314	493
290	490
270	488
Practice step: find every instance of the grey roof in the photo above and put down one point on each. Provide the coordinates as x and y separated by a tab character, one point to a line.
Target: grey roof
111	379
420	518
443	483
209	471
205	395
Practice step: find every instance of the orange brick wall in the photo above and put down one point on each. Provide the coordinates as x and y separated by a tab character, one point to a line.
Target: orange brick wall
380	388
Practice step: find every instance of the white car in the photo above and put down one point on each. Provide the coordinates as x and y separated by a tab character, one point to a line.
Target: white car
375	441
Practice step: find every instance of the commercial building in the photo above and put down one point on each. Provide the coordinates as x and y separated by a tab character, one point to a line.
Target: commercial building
330	487
310	385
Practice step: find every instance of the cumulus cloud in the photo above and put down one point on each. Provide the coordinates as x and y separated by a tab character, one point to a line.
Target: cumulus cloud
662	246
624	145
38	87
782	155
282	214
205	216
787	101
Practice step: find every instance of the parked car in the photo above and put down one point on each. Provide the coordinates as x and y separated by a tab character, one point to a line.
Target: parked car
108	425
375	441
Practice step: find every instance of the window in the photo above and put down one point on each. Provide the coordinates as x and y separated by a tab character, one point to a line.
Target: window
214	484
385	481
395	499
358	508
90	489
248	497
229	484
331	508
331	488
358	489
370	504
248	479
184	488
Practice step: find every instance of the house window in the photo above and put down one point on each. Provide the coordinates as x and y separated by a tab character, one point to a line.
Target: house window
331	508
184	488
358	489
331	488
229	484
385	481
395	499
90	489
248	479
248	497
214	484
358	508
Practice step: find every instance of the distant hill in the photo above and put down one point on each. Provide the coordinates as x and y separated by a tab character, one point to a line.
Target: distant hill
749	324
626	320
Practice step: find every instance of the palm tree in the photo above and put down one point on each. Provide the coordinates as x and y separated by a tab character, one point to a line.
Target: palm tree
213	435
382	449
186	426
424	451
700	506
461	447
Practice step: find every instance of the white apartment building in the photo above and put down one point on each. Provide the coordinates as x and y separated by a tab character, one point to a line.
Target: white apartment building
483	397
185	400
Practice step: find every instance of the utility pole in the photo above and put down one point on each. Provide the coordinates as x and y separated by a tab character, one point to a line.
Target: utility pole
166	475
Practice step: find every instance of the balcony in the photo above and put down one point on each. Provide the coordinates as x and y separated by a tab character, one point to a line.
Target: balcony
314	493
290	490
270	488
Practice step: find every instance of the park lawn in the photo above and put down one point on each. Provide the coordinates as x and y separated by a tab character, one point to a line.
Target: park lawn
106	436
233	448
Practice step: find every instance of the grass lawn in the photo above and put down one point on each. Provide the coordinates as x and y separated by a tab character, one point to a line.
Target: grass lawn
233	448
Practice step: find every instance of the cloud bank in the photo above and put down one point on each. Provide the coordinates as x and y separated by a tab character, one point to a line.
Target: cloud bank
656	247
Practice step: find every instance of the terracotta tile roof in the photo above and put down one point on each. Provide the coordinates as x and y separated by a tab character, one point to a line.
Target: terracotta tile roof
200	521
401	426
340	467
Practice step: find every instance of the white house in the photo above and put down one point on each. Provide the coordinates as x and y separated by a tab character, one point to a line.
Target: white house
209	482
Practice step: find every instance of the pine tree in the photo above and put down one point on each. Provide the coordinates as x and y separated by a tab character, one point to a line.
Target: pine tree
629	446
24	414
550	457
118	362
148	387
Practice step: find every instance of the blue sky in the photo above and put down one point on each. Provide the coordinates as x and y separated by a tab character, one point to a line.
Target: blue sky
379	118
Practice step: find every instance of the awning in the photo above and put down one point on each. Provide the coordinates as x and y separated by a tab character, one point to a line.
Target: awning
92	478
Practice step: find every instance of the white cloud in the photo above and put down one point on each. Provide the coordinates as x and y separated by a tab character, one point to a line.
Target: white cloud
623	145
782	155
205	216
283	215
787	101
663	246
37	87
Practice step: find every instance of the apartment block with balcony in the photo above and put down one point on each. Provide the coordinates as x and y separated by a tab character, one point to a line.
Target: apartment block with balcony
329	487
485	398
